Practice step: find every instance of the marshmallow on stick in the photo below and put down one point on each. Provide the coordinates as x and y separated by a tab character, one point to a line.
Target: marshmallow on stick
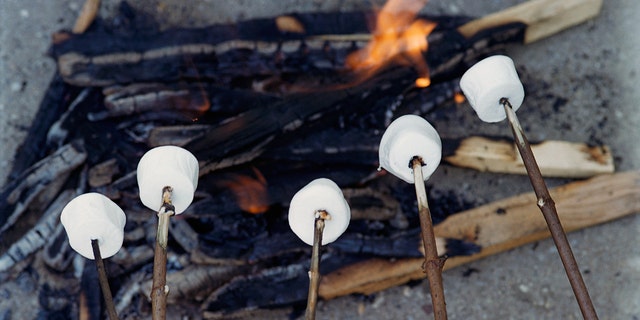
407	137
319	195
168	166
488	82
495	92
92	216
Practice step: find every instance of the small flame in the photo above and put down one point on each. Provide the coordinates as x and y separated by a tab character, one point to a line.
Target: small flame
250	192
398	37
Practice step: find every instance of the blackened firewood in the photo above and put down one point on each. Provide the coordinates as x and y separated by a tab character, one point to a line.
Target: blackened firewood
183	234
404	244
450	54
227	54
37	236
276	245
279	286
102	174
17	196
178	135
200	101
294	116
146	97
57	254
59	131
195	282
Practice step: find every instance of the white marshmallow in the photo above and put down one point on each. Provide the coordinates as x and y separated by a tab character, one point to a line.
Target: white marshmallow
319	194
487	82
92	216
168	166
407	137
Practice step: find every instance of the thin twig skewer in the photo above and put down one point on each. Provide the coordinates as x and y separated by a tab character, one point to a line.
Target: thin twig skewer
433	264
104	282
159	289
314	269
548	208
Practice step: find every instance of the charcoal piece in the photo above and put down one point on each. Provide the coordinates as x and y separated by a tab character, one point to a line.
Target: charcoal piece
276	245
276	287
270	288
230	235
398	245
457	247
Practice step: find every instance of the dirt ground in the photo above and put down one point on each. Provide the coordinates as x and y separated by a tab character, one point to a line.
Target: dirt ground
581	86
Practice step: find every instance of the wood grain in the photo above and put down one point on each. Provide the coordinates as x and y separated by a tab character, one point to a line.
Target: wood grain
542	17
555	158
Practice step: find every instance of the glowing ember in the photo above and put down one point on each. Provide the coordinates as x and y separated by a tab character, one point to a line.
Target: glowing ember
459	98
423	82
398	38
251	193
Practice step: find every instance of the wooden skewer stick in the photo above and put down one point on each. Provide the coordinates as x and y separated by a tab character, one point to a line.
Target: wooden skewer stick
314	270
104	281
547	206
159	289
432	263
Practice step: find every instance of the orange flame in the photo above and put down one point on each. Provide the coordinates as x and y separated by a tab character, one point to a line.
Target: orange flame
398	38
250	193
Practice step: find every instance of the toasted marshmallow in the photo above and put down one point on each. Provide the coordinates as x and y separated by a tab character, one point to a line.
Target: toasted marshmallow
405	138
167	166
487	82
319	194
92	216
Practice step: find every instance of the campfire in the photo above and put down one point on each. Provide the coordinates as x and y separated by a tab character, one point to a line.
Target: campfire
267	106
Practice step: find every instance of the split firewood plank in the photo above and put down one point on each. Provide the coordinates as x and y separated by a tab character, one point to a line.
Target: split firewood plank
555	158
497	227
87	15
542	17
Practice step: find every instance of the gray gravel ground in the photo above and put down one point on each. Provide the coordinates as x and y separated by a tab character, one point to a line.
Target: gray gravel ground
592	68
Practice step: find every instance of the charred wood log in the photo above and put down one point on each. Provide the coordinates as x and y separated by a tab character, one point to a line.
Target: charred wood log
37	236
36	187
222	54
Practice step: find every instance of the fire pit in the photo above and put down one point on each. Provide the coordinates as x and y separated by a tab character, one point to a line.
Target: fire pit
242	211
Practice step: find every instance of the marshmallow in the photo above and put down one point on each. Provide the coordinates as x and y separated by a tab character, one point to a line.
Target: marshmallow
319	194
405	138
487	82
92	216
167	166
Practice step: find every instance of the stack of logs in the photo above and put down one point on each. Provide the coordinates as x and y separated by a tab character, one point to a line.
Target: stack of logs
266	106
